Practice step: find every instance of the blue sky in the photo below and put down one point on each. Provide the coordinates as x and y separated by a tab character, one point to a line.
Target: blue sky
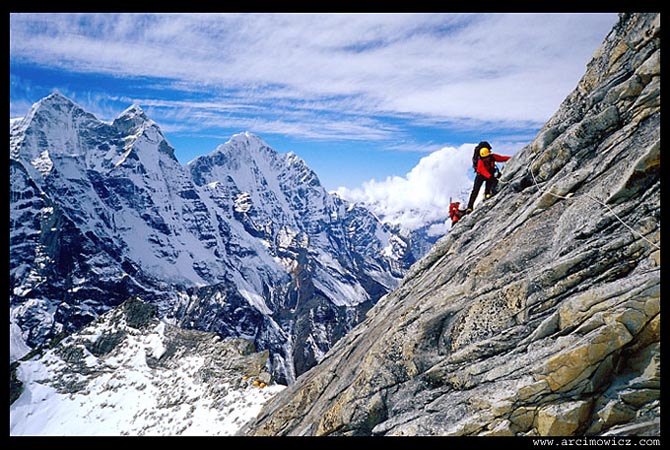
357	96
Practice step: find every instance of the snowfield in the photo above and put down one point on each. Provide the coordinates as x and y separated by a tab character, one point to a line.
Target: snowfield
68	391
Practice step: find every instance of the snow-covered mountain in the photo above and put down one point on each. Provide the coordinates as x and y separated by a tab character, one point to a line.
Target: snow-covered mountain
244	241
128	373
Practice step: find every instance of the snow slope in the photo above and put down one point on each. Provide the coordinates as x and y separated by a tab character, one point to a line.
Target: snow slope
116	378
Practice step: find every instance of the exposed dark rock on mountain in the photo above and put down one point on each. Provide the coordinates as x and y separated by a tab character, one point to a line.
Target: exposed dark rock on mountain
244	241
539	313
128	372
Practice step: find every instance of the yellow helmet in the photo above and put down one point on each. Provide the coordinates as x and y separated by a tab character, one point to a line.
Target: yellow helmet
484	152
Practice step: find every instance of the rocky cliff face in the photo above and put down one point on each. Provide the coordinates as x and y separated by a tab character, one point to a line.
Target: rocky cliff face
539	313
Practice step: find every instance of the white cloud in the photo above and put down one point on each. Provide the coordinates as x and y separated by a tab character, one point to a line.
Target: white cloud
422	196
503	67
293	120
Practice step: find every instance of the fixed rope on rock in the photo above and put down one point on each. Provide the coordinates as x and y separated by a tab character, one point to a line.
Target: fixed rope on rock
571	195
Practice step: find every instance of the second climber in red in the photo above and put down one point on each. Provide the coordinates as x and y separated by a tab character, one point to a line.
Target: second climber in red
485	172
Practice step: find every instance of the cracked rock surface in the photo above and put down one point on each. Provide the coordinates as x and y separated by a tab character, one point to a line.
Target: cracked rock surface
539	313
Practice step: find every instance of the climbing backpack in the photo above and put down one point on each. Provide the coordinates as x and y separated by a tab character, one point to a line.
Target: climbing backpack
475	155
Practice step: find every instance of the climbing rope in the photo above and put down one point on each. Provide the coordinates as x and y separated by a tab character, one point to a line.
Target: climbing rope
570	195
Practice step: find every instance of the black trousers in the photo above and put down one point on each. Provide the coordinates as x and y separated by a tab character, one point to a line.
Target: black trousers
490	188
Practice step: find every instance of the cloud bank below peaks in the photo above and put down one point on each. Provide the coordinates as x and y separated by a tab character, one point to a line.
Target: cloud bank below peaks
421	197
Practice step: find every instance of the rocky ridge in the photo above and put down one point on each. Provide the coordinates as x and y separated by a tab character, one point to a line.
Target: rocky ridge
539	313
129	373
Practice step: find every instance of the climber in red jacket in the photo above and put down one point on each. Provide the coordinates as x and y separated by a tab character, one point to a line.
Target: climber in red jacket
486	171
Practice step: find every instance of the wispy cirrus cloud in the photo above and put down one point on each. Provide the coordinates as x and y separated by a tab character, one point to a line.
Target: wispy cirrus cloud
387	83
488	66
294	119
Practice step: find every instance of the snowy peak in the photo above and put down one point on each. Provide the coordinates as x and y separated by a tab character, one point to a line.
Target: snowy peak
247	148
131	120
57	127
251	162
247	138
134	110
143	136
255	223
242	154
56	100
56	107
52	127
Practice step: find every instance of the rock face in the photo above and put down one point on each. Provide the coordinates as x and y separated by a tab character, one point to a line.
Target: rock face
244	242
129	373
539	313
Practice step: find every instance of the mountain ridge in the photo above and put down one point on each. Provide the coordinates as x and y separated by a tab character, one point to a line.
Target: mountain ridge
130	373
108	212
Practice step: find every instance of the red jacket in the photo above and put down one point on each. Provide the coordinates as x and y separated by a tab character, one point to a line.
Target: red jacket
454	212
486	166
